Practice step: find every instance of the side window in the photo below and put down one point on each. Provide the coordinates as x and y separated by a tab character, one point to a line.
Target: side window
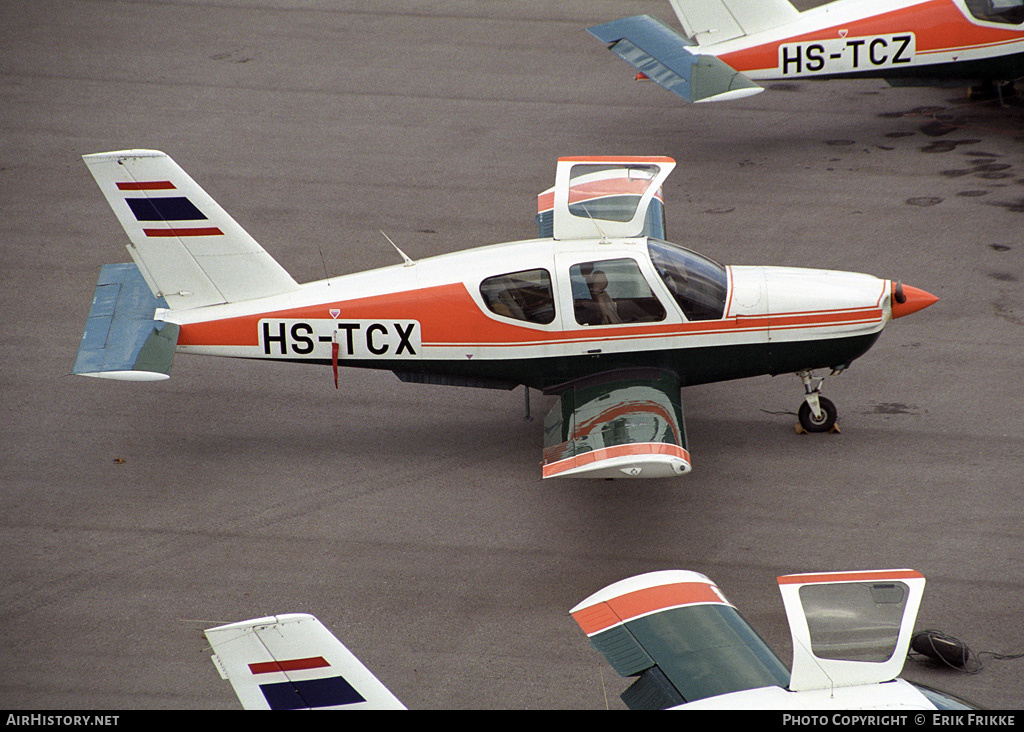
998	11
612	291
521	295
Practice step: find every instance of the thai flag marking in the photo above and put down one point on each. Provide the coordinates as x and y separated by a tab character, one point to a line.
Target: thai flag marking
298	664
153	185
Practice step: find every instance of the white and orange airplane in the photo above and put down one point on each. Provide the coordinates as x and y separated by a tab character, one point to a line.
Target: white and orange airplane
689	647
600	310
730	45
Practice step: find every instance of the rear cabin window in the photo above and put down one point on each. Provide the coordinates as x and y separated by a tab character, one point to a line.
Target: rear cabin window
522	295
612	291
998	11
697	283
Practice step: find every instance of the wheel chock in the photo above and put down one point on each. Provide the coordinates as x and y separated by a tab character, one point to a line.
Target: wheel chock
833	430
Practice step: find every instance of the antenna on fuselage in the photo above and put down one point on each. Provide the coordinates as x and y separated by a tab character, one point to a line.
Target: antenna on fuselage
408	262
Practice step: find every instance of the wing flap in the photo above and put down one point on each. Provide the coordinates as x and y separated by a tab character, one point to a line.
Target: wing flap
121	338
672	60
623	424
293	662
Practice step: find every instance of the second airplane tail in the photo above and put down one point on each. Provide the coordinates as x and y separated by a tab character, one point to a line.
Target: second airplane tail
714	21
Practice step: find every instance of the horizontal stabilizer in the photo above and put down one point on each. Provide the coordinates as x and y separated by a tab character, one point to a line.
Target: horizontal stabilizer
293	662
672	60
121	339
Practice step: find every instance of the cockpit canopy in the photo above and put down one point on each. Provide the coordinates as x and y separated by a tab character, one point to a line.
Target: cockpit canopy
1010	12
615	290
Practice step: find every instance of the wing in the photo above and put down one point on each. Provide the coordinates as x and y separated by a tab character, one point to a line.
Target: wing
293	662
850	628
622	424
673	61
678	634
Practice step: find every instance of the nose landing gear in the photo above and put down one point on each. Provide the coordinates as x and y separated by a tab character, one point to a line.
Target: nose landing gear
817	414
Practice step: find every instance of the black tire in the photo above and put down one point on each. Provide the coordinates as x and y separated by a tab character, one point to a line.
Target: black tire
828	416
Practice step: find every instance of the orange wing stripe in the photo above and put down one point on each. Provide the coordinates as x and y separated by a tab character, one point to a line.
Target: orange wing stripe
607	453
633	605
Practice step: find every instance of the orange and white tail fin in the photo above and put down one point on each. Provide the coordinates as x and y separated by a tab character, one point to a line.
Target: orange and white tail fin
189	250
293	662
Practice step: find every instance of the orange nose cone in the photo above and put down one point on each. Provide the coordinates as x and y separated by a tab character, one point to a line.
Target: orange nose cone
907	299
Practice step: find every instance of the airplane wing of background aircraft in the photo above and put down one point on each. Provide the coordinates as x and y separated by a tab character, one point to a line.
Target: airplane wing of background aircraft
599	310
691	649
729	45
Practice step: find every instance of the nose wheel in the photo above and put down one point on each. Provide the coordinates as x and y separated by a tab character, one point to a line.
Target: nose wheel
816	414
823	421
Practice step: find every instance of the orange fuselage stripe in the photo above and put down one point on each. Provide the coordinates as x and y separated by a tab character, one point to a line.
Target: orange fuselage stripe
450	317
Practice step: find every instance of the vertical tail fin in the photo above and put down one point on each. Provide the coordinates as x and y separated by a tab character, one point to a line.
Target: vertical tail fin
189	250
714	21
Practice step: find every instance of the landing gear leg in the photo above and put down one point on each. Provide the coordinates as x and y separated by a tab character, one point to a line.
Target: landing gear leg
817	414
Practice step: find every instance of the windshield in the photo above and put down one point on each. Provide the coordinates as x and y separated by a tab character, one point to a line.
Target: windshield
697	283
997	11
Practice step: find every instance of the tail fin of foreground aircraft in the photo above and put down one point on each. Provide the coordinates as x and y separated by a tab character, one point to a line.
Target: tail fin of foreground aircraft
293	662
188	249
188	253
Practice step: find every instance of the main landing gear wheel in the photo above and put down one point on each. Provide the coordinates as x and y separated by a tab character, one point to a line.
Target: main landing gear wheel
825	422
